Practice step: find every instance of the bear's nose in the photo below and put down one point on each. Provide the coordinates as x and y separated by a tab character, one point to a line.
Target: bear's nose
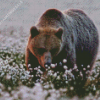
48	61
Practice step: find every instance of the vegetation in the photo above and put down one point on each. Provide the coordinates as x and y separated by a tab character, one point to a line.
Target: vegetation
16	83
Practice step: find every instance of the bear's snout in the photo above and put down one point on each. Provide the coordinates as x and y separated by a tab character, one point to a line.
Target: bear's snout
46	59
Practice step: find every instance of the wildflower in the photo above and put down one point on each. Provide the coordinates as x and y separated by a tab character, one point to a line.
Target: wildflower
81	65
38	84
66	71
71	88
60	63
30	69
65	76
2	86
39	67
53	65
9	88
46	66
46	86
2	74
41	81
29	65
65	67
98	92
81	74
55	74
58	77
35	68
98	70
6	61
94	88
75	66
0	91
84	69
8	77
50	72
93	71
88	66
39	70
77	70
87	72
64	60
52	86
63	90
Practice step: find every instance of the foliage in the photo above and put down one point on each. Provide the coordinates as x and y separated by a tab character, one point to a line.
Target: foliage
13	75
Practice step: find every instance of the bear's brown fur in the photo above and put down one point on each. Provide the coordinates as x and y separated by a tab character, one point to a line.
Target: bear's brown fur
60	35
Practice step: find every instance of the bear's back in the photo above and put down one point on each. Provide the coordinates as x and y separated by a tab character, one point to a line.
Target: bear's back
86	34
84	29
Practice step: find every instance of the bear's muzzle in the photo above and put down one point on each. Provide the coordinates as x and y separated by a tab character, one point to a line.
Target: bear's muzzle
47	58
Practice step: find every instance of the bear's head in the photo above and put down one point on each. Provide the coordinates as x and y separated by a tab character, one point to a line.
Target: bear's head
45	44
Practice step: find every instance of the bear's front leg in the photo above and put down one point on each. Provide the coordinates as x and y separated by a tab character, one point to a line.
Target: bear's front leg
31	64
30	59
71	56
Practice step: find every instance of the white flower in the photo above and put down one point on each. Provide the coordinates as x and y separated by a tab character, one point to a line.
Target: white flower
66	71
8	77
38	84
9	88
6	61
71	88
27	72
2	74
30	69
94	88
21	66
88	66
0	90
81	65
2	86
29	65
7	94
39	67
58	77
46	86
55	74
93	71
35	68
63	89
65	67
53	65
98	92
81	74
52	86
65	76
39	70
84	69
64	60
75	66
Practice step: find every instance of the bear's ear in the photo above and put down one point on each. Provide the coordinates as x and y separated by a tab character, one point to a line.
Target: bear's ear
34	31
59	33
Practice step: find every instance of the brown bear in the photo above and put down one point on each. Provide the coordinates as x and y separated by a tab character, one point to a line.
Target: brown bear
60	35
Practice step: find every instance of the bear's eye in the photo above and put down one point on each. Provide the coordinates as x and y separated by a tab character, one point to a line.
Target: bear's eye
53	51
41	51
